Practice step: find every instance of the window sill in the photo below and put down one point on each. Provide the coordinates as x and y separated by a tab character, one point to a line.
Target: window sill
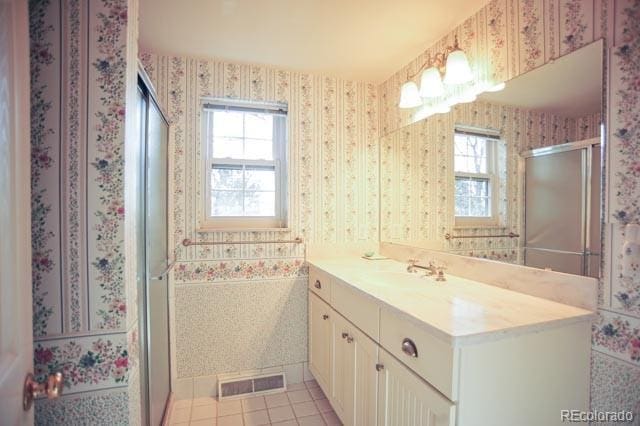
471	224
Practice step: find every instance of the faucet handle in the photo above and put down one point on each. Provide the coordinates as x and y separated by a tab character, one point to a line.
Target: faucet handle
440	272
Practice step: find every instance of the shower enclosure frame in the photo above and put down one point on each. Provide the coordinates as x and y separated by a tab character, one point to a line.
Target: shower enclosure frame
150	277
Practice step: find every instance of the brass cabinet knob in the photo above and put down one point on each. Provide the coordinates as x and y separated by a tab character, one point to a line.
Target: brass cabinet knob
325	317
52	388
318	285
379	367
345	335
349	339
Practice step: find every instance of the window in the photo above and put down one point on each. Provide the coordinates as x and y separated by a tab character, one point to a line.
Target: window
475	178
245	169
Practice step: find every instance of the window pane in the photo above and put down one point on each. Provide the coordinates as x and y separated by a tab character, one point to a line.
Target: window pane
462	187
460	143
227	148
258	126
468	164
479	207
260	203
258	149
462	206
228	123
260	179
226	203
479	187
470	153
226	178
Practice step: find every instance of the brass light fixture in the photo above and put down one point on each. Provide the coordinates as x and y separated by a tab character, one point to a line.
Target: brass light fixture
450	67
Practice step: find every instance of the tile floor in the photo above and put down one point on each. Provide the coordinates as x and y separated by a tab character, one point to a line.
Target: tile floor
304	404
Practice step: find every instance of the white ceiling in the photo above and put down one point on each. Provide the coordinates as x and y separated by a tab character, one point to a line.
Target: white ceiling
571	86
354	39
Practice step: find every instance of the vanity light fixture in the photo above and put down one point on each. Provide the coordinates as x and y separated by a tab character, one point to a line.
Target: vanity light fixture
452	64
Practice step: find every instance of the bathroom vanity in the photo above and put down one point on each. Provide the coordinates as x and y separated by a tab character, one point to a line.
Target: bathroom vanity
389	347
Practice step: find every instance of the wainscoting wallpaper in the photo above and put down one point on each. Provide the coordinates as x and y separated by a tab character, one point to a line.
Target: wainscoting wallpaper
83	61
417	178
509	37
242	307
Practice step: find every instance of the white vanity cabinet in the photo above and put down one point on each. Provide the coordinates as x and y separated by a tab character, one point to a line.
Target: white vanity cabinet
343	360
355	377
405	399
379	365
320	336
365	385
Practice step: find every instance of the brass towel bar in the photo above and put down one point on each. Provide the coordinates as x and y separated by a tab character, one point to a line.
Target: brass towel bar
448	236
187	242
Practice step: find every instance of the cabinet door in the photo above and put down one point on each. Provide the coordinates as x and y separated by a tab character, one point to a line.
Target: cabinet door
405	399
366	379
343	371
320	341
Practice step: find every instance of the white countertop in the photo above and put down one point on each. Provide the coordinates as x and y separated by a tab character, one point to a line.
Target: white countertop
459	310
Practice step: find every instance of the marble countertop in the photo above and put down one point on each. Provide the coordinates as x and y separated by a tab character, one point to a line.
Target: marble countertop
459	311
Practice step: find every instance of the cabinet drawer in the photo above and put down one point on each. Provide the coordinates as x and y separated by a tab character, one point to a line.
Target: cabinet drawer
320	283
429	357
358	308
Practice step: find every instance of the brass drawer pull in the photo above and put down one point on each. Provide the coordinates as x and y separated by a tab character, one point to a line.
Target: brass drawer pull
379	367
325	317
318	285
409	348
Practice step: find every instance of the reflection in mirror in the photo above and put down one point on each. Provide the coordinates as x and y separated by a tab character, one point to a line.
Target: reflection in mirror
513	176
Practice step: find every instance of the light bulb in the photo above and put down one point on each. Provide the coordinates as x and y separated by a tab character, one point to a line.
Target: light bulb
457	68
431	83
410	95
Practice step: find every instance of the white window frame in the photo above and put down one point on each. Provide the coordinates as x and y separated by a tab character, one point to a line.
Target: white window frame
279	163
491	175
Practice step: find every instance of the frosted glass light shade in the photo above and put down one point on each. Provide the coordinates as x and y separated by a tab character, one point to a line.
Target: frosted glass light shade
431	83
458	70
410	95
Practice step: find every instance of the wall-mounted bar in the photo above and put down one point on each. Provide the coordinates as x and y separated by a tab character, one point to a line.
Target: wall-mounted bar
448	236
187	242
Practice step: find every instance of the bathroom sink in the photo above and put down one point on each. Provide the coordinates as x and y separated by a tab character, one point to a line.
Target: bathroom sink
392	278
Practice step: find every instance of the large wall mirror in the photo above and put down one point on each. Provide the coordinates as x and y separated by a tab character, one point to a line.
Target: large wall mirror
514	176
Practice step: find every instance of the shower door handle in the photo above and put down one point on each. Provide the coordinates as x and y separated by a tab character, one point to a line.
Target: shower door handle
165	272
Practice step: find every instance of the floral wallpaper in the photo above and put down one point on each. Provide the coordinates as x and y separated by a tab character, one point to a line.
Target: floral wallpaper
522	35
84	409
43	266
333	197
239	270
84	362
80	75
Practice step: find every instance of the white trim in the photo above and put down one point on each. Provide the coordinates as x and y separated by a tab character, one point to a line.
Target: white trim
207	222
491	175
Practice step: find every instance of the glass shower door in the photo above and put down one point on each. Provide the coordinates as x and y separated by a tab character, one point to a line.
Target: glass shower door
157	297
153	263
